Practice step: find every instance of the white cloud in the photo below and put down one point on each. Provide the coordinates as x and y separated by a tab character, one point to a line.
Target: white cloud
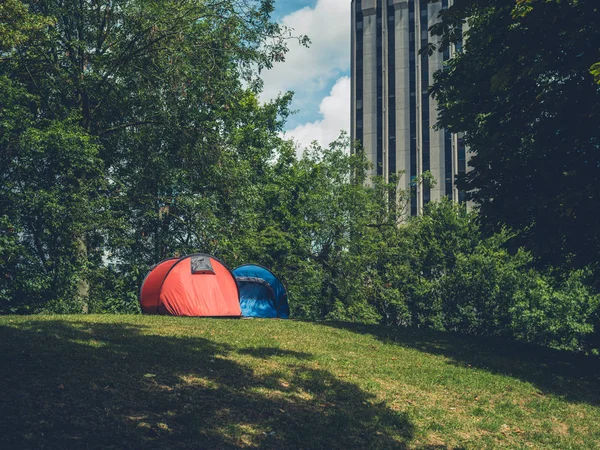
335	110
311	69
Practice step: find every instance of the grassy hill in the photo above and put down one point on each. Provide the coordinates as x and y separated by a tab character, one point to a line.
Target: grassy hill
161	382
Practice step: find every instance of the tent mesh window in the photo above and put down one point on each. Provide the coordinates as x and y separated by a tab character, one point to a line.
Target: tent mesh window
260	281
201	265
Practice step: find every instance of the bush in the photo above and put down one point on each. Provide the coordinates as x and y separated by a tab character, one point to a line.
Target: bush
476	294
116	292
340	249
559	316
465	282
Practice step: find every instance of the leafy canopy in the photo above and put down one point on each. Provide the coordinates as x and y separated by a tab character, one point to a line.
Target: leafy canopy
524	94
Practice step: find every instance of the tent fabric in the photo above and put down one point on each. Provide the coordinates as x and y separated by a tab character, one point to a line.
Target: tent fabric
261	293
175	287
153	283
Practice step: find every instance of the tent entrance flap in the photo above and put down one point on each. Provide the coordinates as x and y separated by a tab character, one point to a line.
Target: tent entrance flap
257	297
201	265
261	293
260	281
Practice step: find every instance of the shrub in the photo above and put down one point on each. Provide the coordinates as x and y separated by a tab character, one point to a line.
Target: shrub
560	316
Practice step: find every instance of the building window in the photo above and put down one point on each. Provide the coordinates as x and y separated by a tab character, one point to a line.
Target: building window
359	70
462	157
448	163
426	195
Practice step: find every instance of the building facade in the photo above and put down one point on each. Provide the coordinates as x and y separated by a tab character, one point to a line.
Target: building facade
392	112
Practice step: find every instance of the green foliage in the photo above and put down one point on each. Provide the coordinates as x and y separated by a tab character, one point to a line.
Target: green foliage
471	284
481	288
119	122
595	71
433	242
132	131
18	25
523	93
51	200
115	292
562	315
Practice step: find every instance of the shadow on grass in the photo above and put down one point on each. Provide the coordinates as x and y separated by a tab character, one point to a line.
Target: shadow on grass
572	376
94	385
268	352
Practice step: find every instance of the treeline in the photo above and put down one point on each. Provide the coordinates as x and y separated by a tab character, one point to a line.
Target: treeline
337	245
131	131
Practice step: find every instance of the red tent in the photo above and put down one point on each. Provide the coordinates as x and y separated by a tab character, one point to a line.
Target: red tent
195	285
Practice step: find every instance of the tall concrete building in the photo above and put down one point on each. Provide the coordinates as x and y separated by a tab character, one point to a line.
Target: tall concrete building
392	112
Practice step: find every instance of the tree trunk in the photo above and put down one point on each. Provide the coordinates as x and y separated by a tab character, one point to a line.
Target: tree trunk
83	285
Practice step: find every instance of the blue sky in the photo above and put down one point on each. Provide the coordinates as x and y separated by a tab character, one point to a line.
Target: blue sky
319	76
285	7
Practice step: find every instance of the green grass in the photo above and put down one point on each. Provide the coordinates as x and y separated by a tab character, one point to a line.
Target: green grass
163	382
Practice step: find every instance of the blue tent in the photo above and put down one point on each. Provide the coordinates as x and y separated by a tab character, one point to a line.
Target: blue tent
261	293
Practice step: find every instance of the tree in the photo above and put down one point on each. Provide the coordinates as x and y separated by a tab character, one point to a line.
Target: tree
146	113
311	215
18	25
524	94
595	70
